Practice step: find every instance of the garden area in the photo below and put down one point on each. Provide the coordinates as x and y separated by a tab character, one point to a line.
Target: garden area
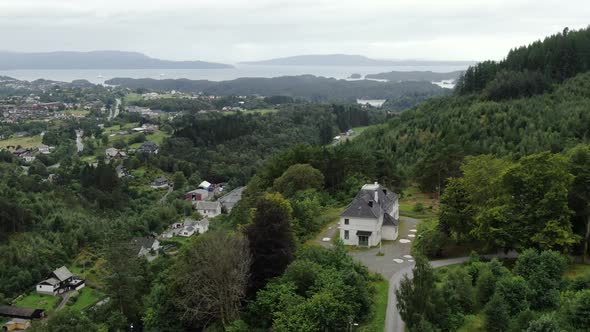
38	301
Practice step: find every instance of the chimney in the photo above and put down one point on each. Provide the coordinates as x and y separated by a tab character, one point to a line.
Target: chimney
377	196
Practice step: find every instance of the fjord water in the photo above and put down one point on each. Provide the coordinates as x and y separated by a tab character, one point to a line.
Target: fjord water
99	76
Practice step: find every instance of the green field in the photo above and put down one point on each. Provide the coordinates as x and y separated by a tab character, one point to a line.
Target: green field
412	196
115	128
379	308
38	301
77	112
25	142
132	97
157	137
87	298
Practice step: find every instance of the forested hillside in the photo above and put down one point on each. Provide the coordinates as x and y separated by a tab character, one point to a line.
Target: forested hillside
308	87
531	69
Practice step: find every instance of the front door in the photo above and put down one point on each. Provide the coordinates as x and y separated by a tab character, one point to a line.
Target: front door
363	241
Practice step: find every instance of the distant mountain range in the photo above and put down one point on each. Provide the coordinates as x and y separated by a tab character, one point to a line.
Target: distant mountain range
96	60
350	60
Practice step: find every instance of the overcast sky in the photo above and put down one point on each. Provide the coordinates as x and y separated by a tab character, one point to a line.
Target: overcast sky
237	30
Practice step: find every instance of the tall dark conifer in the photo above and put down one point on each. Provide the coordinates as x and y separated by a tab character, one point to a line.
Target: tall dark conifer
271	241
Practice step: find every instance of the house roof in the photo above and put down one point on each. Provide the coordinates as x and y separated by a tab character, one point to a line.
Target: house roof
364	204
50	281
17	321
205	184
62	273
19	312
189	228
389	220
364	233
205	205
142	242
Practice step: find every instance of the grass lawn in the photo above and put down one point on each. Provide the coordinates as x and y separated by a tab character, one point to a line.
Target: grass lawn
25	142
77	112
89	266
157	137
115	128
327	218
38	301
576	270
473	323
132	97
379	308
87	298
413	196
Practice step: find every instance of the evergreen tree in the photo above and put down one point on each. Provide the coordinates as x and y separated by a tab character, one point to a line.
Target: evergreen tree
271	240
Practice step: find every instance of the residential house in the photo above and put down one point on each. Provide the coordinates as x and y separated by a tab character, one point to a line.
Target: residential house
148	147
198	195
192	226
121	171
16	324
112	153
60	281
146	247
28	156
159	183
208	209
206	186
43	149
372	216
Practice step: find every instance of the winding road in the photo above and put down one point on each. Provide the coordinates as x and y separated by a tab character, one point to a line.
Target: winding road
114	111
79	144
393	320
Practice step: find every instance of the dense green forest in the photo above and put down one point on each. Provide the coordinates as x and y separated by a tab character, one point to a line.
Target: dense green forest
531	294
531	69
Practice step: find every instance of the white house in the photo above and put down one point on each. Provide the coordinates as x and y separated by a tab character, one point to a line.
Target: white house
193	226
208	209
61	280
372	216
146	247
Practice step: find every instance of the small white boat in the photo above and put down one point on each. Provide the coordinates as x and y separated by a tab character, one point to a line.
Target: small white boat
100	76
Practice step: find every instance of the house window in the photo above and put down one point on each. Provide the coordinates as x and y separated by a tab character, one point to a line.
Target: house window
346	221
346	234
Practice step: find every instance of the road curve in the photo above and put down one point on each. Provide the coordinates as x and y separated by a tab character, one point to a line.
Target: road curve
393	321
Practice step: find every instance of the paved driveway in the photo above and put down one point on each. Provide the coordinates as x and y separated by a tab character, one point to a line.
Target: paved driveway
391	250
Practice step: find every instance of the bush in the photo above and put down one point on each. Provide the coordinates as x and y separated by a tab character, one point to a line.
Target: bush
418	207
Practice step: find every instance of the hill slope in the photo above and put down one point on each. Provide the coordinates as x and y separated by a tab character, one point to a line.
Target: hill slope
305	86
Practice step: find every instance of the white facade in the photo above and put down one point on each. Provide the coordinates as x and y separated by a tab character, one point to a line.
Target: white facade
350	228
47	289
389	232
371	217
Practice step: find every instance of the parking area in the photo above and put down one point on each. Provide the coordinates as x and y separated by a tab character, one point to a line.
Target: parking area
396	254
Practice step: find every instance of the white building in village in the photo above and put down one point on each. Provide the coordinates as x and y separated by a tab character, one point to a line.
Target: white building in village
372	216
